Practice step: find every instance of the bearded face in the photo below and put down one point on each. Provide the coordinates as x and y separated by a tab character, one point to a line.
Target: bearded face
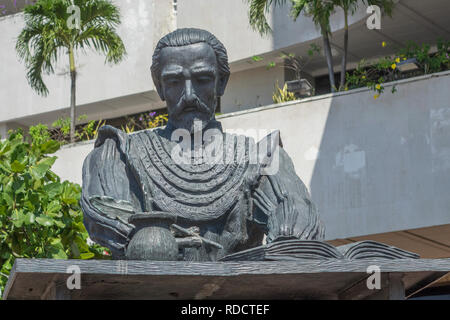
189	84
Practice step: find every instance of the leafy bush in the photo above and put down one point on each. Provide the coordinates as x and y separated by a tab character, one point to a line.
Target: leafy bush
39	215
384	70
283	95
145	121
61	129
88	131
373	76
428	62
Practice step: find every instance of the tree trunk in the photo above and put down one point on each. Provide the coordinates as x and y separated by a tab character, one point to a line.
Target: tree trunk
73	79
329	57
344	56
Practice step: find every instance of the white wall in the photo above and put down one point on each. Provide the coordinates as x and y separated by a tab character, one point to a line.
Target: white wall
228	21
371	166
251	88
143	23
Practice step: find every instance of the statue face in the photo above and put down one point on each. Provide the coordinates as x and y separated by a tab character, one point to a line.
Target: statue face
189	84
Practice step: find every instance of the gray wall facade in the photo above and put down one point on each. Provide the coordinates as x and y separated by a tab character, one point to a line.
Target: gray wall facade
371	166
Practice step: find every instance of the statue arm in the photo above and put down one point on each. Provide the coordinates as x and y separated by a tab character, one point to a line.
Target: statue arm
109	192
282	204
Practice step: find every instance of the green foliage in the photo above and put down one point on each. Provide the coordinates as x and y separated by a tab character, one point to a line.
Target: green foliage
283	95
258	11
292	62
47	34
257	58
39	215
53	29
145	121
88	131
63	124
319	10
60	130
427	61
374	75
39	133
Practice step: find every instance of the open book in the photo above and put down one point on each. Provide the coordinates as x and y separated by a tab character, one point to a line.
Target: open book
291	250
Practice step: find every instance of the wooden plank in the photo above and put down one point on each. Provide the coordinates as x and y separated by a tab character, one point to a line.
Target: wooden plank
227	268
312	279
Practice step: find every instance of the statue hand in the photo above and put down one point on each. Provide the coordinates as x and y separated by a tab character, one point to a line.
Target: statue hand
191	238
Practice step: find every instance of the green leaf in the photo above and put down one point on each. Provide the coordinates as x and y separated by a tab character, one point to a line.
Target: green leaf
29	218
5	148
18	186
87	255
82	245
53	189
50	146
59	224
69	195
8	199
54	207
40	169
44	221
56	249
18	218
17	167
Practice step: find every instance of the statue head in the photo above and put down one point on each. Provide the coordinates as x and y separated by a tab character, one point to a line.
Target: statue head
190	70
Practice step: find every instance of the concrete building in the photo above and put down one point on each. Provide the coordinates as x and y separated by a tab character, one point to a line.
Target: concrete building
106	92
376	169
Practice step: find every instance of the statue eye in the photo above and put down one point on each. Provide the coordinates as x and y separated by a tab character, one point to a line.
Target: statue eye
204	79
172	81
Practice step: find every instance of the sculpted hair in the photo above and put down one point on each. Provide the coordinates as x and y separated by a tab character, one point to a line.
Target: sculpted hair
185	37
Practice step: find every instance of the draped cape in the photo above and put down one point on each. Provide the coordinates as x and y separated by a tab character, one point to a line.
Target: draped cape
128	174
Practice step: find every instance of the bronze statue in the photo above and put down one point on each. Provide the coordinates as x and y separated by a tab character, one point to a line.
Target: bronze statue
143	202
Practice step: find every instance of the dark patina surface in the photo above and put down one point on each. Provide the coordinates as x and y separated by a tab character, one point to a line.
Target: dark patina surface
210	209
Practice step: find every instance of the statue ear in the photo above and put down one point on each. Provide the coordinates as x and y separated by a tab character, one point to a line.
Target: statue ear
221	84
158	86
160	91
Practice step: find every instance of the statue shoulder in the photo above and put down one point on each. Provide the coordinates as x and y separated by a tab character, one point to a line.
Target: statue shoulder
109	132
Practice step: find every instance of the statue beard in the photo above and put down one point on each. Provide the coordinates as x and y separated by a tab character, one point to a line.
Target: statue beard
185	119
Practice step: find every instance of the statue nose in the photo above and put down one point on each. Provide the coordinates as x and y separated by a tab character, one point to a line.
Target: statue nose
189	92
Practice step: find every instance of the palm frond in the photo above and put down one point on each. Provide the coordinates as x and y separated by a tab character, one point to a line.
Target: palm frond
298	6
258	11
46	34
98	12
41	61
38	44
99	20
319	10
103	39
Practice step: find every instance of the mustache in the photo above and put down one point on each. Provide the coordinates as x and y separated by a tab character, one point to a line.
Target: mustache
197	103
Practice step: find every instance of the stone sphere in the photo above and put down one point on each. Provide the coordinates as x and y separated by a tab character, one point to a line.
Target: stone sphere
153	243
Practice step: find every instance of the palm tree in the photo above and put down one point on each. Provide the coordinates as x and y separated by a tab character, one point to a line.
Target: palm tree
319	10
48	32
349	7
